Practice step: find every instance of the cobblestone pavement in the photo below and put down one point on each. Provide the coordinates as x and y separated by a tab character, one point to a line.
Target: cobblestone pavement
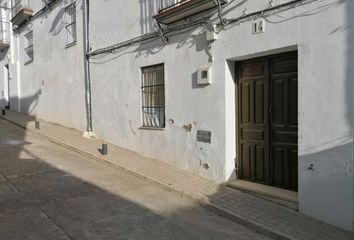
50	192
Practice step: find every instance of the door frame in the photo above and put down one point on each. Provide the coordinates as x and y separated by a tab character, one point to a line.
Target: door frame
238	162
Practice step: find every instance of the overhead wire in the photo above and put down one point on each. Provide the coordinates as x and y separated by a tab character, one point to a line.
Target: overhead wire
168	32
221	23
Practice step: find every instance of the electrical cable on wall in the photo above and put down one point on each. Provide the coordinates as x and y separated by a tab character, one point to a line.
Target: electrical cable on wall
164	34
221	23
222	20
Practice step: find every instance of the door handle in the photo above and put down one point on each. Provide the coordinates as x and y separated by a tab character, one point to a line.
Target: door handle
270	108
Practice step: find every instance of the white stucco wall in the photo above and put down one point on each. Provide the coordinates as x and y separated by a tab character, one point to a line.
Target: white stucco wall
116	82
6	58
52	87
320	31
323	34
4	93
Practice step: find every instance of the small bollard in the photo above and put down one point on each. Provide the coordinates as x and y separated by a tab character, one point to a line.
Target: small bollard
3	112
37	125
104	149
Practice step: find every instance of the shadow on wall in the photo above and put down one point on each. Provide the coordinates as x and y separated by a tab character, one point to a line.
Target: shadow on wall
330	185
3	53
331	171
58	23
27	104
350	61
193	38
189	39
149	8
350	79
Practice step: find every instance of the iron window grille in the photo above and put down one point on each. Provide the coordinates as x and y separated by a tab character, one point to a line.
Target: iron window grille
29	48
71	24
153	96
168	4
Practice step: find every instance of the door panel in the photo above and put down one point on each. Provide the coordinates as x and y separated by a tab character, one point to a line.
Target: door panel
260	163
253	124
246	160
284	121
279	160
245	101
268	120
259	103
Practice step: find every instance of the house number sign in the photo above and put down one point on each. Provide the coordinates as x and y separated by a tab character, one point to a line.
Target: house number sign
258	26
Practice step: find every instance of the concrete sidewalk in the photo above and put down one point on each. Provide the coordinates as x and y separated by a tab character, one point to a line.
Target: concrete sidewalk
262	215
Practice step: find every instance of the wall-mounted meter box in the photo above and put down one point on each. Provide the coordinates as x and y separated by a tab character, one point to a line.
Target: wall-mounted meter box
204	76
211	36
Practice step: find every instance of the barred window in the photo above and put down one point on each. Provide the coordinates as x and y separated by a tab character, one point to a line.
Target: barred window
153	96
70	13
29	48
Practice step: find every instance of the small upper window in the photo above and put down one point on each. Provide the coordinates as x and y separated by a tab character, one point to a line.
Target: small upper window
29	47
70	21
153	97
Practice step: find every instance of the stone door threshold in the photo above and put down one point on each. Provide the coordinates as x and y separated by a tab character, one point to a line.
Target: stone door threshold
266	191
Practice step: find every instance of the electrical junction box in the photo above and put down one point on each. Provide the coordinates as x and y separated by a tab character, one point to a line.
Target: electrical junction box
204	76
211	36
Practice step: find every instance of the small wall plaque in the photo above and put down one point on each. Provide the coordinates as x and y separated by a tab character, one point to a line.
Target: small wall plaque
258	26
204	136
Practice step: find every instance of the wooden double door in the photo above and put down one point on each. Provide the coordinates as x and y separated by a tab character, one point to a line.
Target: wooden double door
268	120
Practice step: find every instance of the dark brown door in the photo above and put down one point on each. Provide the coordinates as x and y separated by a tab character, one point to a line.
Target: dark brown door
268	125
253	117
284	121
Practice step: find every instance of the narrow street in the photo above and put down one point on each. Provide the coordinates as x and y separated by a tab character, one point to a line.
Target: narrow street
49	192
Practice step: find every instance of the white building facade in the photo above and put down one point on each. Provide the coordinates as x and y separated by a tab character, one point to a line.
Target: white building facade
45	64
259	91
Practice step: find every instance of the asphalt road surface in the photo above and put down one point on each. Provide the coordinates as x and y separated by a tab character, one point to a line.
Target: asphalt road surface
48	192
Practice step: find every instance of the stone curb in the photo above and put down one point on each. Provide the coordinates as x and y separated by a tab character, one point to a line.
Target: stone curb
201	200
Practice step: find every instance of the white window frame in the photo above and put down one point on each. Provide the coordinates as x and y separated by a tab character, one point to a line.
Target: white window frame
153	102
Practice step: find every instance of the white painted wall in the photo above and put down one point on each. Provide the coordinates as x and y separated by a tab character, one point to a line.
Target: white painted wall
321	32
116	82
6	58
52	87
323	35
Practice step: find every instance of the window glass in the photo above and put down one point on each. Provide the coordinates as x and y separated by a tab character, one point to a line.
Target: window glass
153	97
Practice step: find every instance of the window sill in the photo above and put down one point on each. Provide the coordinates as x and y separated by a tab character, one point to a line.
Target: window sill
70	45
28	62
152	128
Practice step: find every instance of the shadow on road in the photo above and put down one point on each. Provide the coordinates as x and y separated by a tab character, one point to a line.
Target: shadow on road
49	192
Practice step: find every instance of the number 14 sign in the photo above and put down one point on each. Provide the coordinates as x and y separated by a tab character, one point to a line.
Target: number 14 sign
258	26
